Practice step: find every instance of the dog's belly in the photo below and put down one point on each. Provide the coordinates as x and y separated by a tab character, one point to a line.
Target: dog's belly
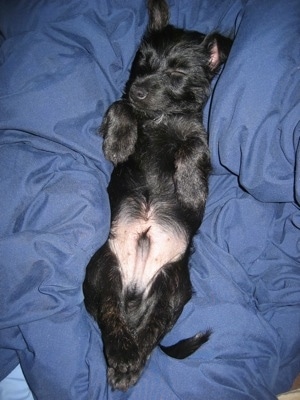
143	246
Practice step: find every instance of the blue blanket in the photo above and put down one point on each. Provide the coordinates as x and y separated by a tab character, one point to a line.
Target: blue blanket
62	63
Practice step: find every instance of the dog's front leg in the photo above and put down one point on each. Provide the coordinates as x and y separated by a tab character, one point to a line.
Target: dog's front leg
192	167
119	130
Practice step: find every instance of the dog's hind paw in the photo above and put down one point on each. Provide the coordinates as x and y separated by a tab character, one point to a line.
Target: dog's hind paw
122	378
125	371
125	361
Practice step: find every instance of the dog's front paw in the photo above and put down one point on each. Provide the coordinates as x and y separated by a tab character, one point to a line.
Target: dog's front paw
191	191
191	176
119	129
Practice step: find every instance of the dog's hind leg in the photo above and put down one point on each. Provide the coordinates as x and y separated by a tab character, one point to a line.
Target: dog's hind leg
170	291
102	289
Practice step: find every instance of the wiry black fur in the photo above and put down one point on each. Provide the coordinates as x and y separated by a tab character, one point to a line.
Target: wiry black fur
155	138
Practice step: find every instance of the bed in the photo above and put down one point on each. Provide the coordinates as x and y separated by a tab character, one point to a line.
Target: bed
61	65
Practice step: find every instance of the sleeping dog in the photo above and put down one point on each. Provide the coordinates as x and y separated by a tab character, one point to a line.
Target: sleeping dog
138	283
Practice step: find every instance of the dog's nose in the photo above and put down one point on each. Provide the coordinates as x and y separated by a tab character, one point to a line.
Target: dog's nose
138	92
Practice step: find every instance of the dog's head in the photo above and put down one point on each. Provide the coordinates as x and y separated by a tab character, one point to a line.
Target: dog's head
173	68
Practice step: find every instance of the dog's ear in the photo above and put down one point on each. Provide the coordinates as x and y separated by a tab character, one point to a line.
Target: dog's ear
218	47
158	15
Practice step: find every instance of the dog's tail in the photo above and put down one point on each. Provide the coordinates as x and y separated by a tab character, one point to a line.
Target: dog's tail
158	14
186	347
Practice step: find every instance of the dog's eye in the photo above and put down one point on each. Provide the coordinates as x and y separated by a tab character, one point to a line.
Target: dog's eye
176	73
176	77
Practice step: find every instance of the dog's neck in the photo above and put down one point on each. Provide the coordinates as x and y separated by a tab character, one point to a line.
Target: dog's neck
158	118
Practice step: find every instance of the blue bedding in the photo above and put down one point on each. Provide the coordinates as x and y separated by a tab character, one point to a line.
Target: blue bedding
62	63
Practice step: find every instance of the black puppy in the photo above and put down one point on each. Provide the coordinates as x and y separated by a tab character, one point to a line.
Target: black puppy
138	283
